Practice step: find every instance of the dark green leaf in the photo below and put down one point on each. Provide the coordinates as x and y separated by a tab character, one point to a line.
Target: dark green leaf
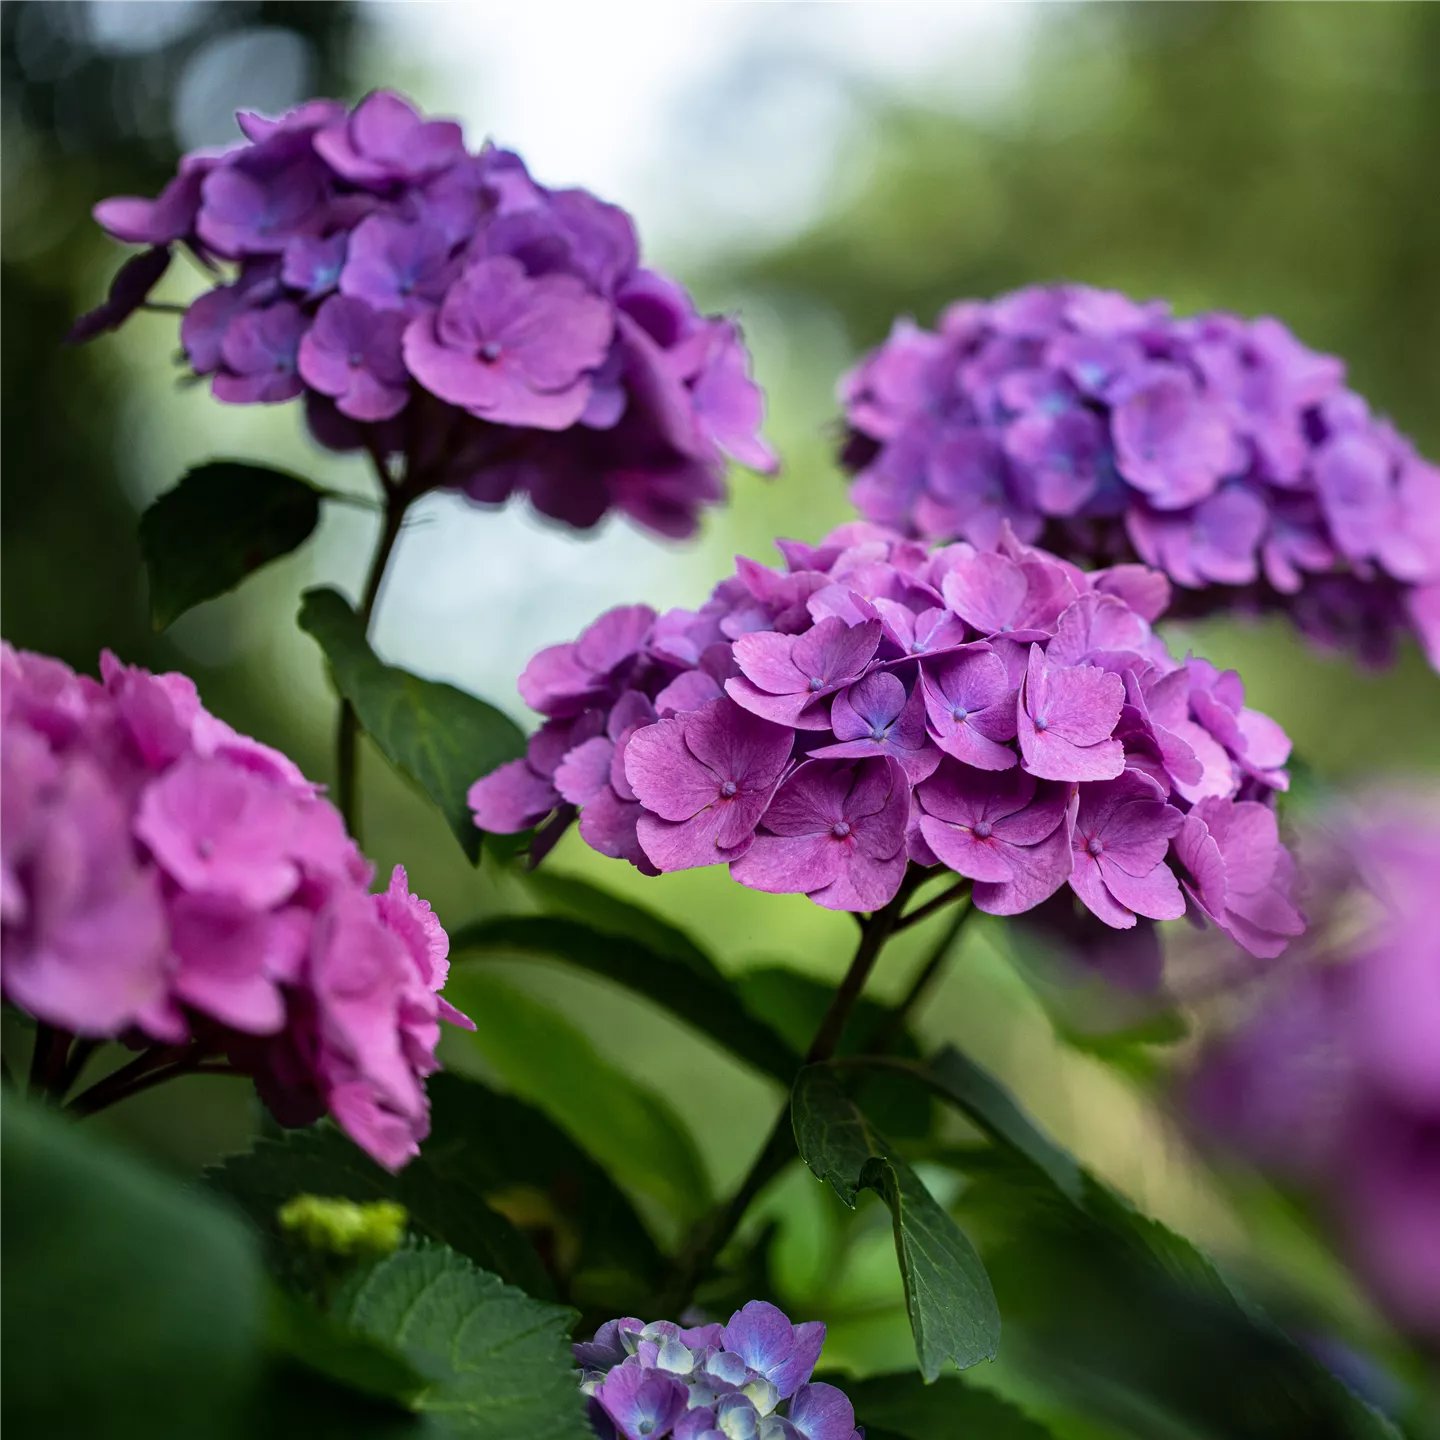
220	523
795	1004
579	899
131	1307
694	990
1120	1316
442	738
546	1060
500	1361
906	1407
304	1335
322	1161
495	1143
947	1292
984	1100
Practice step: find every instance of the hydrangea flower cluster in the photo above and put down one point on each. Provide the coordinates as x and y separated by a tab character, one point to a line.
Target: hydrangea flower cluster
747	1380
873	705
440	304
1219	449
167	881
1333	1082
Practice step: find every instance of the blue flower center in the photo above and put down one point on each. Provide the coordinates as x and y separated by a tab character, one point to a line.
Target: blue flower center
982	830
490	351
816	683
728	789
1041	723
840	829
1093	845
961	714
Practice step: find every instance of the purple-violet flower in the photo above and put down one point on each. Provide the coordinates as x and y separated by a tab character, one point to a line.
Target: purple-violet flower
538	356
1220	450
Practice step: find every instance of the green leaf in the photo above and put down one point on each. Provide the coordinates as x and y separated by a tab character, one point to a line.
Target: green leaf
546	1060
1118	1315
947	1293
579	899
500	1362
223	521
132	1307
322	1161
956	1078
691	988
442	738
795	1005
302	1334
495	1143
906	1407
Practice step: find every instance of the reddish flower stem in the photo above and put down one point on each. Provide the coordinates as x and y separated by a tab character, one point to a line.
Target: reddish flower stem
151	1067
48	1061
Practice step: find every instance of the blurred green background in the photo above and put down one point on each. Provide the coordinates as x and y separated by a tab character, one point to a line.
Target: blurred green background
1261	157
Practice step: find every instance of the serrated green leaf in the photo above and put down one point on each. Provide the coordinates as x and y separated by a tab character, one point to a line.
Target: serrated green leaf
222	522
441	738
131	1307
321	1161
952	1308
906	1407
500	1361
494	1143
546	1060
692	989
302	1334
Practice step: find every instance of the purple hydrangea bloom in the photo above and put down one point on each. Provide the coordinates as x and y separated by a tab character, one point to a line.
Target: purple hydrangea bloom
1220	450
496	337
874	706
129	290
260	356
704	781
1331	1081
162	876
746	1380
352	354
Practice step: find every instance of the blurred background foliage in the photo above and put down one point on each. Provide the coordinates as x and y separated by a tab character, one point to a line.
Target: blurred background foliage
1260	157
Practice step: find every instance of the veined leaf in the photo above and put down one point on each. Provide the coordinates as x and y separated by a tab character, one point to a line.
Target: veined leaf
440	737
947	1293
499	1362
222	522
322	1161
546	1060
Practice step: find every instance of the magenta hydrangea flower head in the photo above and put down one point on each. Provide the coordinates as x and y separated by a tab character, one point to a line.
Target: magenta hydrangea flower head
748	1378
1217	449
166	881
442	309
875	706
1332	1080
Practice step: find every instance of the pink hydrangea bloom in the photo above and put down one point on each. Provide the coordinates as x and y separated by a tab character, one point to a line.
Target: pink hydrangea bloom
166	880
499	337
1218	449
875	705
